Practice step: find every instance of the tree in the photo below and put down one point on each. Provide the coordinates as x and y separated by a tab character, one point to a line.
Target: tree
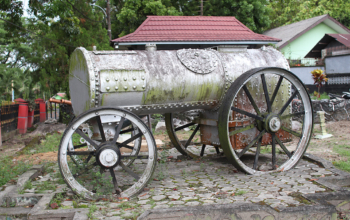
60	26
252	13
289	11
134	12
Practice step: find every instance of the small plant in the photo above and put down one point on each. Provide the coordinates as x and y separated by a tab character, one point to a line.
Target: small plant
27	185
46	185
241	192
92	209
319	79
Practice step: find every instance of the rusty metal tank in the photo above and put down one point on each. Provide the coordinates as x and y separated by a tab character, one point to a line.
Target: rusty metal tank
161	81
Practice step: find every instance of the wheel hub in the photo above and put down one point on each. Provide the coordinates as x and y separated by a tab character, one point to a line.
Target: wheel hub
108	156
274	124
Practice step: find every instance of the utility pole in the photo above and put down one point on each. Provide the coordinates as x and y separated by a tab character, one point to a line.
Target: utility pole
201	7
109	20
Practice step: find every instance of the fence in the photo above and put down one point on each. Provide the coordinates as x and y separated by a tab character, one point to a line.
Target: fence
9	117
305	62
52	110
335	51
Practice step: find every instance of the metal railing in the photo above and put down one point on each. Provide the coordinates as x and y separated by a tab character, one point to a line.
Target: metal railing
305	62
9	117
52	110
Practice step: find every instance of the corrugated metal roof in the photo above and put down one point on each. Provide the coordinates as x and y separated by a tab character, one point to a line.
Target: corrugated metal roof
289	33
315	52
192	28
342	38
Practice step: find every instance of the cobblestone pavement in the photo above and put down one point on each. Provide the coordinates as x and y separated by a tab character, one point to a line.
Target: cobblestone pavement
177	182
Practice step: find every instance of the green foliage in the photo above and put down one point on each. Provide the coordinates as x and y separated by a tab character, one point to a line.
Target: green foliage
289	11
45	185
252	13
10	169
316	96
344	151
134	12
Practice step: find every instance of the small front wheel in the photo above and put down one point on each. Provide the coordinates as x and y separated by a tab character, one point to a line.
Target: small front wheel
100	154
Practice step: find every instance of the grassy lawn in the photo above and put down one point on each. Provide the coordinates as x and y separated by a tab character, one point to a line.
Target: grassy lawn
322	96
344	151
10	169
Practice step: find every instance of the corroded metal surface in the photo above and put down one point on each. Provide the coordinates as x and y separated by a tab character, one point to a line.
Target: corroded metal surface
160	81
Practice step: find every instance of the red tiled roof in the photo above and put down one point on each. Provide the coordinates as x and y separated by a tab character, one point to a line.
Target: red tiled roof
192	28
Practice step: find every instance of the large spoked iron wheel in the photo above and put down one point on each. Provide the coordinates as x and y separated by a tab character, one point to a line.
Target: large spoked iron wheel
100	154
187	142
255	121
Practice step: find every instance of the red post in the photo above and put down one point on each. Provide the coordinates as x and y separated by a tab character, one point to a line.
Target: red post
30	119
42	108
22	116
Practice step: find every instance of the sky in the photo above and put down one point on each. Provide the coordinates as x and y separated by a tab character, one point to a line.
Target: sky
25	7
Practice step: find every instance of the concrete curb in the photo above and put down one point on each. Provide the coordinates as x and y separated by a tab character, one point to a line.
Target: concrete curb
241	211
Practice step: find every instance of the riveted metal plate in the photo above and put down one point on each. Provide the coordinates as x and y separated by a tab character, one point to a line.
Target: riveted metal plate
123	81
198	61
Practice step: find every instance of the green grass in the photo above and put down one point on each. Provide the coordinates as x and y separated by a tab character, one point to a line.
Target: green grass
50	143
322	96
344	151
10	169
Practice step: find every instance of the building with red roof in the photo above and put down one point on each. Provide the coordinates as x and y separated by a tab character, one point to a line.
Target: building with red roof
175	32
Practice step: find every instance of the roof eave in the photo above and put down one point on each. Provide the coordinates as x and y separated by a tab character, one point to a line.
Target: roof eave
197	42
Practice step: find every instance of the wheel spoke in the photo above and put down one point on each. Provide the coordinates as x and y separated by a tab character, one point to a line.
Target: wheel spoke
115	183
266	93
129	171
288	102
134	157
131	139
192	135
241	129
81	153
257	154
126	131
88	159
119	128
100	127
87	138
251	100
184	126
292	115
276	89
126	146
283	147
291	131
251	143
80	146
273	151
247	113
202	151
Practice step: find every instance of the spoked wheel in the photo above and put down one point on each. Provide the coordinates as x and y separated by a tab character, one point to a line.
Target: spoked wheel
255	121
100	154
187	143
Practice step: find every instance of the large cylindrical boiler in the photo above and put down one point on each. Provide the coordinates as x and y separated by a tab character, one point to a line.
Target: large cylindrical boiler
160	81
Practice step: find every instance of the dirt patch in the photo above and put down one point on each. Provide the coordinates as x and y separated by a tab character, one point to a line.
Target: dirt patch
324	147
38	158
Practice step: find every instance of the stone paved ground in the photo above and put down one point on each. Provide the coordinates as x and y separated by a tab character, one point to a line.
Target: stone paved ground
179	182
